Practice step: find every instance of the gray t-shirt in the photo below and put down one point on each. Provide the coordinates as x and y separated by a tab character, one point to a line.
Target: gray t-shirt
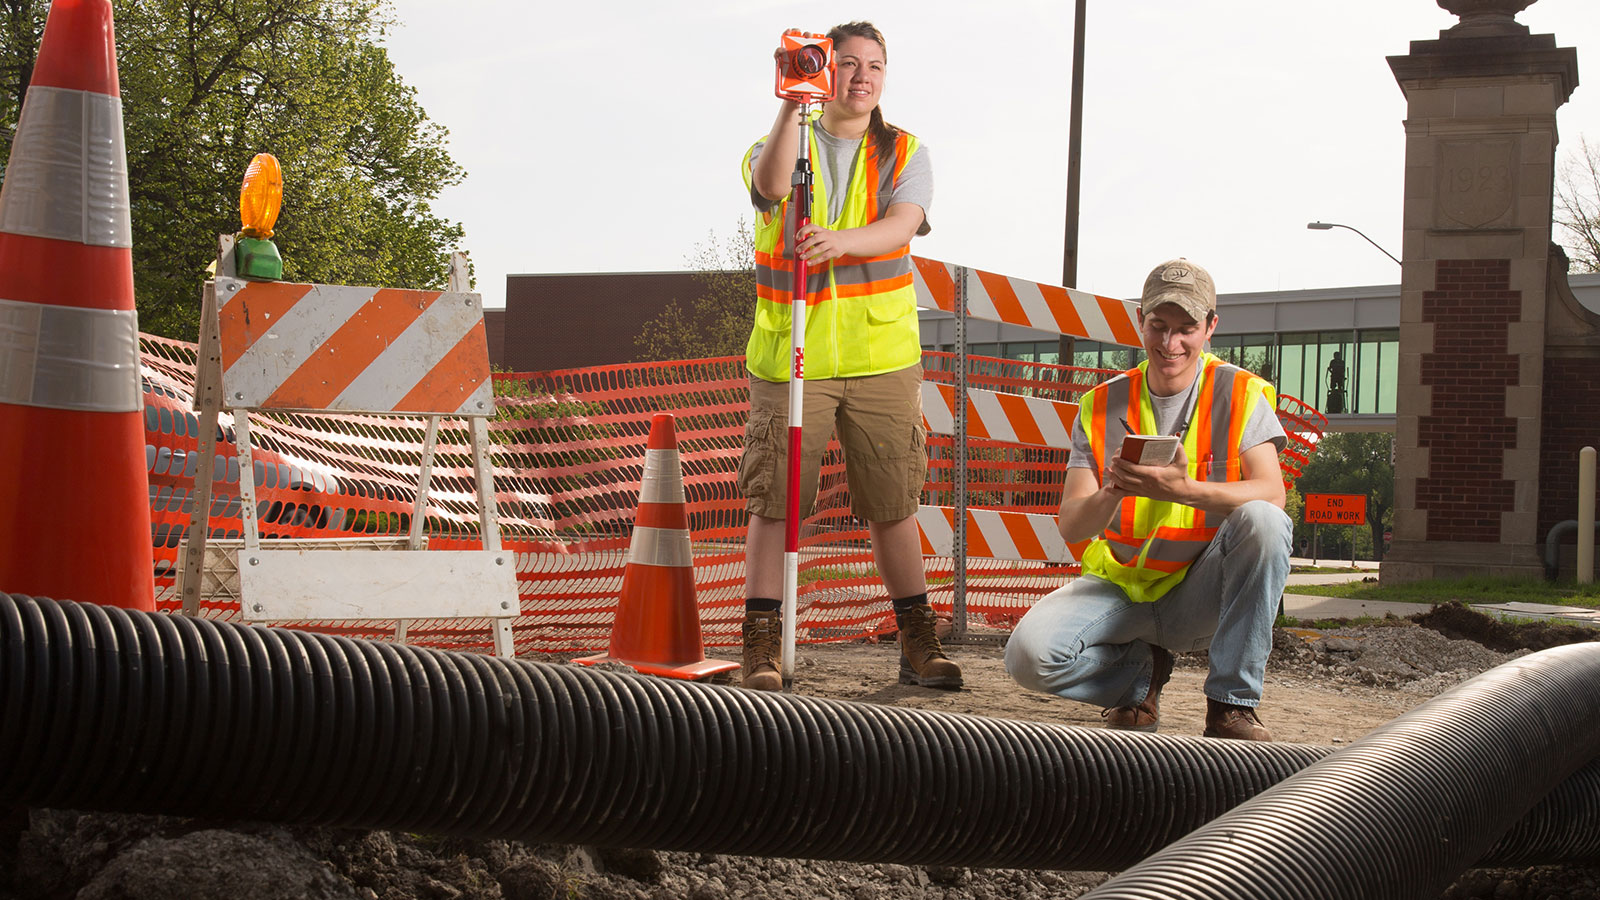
835	164
1170	412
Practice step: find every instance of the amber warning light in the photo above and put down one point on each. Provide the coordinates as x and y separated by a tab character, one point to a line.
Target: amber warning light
260	198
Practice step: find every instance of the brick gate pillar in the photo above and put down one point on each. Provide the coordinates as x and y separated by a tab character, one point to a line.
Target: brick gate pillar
1480	159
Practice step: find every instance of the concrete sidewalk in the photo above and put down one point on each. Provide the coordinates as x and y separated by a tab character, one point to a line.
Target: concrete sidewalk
1308	606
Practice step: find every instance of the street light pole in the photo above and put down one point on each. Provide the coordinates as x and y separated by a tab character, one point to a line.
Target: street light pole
1324	226
1069	256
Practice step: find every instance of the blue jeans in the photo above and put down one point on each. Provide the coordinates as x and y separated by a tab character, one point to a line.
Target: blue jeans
1087	641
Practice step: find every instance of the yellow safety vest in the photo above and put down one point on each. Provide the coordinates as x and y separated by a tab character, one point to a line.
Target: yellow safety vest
1150	544
861	313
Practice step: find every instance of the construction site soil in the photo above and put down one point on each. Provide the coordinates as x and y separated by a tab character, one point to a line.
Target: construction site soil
1326	686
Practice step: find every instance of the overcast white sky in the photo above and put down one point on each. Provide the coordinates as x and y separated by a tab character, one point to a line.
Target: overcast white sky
607	136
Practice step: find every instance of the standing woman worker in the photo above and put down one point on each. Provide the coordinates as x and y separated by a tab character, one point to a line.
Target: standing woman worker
863	363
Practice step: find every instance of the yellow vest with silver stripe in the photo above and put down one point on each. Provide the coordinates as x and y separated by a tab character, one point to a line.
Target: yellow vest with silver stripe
1149	545
861	313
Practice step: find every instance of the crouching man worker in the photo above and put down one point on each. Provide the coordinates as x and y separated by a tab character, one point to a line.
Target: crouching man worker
1184	556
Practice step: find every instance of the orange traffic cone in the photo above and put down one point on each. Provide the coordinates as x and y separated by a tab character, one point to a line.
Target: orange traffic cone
75	512
657	629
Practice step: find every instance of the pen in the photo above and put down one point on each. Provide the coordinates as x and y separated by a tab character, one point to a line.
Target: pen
1126	428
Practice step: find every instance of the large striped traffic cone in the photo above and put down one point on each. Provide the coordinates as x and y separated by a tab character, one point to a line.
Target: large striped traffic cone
75	508
657	628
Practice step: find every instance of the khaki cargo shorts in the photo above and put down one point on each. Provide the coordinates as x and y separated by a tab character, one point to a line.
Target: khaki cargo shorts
879	421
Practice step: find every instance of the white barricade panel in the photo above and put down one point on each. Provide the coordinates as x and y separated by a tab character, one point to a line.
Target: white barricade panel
219	577
308	585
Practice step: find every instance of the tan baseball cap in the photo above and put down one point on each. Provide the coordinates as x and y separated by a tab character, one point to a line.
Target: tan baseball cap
1183	283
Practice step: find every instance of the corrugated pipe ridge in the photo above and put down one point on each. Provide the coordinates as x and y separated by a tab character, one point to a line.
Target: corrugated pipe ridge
1405	809
104	708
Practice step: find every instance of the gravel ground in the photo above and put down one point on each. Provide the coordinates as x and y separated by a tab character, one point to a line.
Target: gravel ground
1328	687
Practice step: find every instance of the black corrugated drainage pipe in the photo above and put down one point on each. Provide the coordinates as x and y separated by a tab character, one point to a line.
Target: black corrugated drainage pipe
102	708
1403	811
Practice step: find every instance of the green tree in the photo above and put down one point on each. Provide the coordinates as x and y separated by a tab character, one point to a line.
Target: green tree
718	321
1577	206
207	84
1355	463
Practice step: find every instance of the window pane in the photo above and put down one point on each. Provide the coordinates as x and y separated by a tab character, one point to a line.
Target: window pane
1120	358
1086	354
1334	369
1376	384
1293	378
1256	354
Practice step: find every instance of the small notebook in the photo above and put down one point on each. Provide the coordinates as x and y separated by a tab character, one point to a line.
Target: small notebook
1150	449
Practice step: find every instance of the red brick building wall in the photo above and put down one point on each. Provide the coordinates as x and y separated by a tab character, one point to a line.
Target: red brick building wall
567	321
1571	422
1469	370
494	333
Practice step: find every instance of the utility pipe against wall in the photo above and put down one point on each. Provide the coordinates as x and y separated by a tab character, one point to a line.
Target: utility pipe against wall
1586	515
109	709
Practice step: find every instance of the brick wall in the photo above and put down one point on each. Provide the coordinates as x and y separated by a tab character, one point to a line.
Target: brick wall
1571	422
1469	371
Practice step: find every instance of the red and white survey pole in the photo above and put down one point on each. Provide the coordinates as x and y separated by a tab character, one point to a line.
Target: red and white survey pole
800	203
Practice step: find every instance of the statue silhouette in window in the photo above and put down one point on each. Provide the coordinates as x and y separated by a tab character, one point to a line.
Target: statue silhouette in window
1335	403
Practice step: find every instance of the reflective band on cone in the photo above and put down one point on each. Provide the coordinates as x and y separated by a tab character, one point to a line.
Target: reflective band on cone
62	357
68	176
75	520
657	627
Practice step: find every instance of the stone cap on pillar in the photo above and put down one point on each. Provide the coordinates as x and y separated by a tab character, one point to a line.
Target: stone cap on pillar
1485	18
1488	42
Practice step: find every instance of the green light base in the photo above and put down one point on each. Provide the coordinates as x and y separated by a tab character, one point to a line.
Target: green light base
256	258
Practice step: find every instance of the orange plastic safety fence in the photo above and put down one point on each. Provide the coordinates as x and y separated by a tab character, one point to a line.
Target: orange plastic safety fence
567	449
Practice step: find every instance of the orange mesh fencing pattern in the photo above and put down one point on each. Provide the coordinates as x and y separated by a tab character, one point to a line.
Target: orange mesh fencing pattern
568	450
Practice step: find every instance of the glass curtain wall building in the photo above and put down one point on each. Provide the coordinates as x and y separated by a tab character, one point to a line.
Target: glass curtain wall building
1335	349
1338	372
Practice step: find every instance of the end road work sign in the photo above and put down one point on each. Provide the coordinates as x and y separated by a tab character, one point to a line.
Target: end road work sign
1336	509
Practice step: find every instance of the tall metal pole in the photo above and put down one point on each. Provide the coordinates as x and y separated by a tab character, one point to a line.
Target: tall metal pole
1069	264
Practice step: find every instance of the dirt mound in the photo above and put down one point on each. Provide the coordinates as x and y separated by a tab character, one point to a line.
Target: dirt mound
1456	620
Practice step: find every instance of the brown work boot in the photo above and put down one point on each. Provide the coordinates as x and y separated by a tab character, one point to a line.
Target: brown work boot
1147	715
1224	720
922	659
763	642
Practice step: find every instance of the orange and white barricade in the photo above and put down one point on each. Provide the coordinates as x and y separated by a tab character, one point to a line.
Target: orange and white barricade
994	534
1017	301
315	348
75	513
962	412
993	416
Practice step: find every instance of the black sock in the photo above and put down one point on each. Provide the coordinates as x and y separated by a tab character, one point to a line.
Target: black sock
762	604
906	603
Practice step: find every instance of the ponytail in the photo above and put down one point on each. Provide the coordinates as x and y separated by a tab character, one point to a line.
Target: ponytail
883	134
